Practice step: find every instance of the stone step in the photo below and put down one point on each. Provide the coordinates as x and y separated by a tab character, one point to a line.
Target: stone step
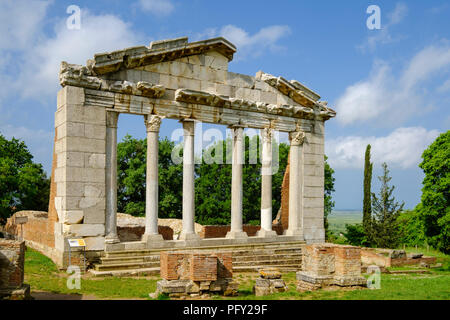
277	257
256	268
130	259
269	262
125	272
235	248
126	265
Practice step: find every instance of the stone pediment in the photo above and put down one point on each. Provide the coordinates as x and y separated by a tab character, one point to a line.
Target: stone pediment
157	52
186	75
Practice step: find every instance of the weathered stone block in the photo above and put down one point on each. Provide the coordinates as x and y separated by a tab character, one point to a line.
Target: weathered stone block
84	230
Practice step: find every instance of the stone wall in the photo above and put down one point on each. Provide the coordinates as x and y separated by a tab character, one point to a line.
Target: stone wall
330	265
211	231
37	229
12	259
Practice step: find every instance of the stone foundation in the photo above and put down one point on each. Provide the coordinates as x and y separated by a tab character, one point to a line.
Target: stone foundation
327	265
12	260
196	273
269	282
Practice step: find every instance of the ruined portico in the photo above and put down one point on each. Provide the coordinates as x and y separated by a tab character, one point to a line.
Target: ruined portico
175	79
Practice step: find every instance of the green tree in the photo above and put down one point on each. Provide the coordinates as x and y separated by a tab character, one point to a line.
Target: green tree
355	234
411	228
434	208
367	203
385	210
328	200
23	183
131	176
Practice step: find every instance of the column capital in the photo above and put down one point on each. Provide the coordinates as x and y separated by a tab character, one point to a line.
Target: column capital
111	119
188	126
297	138
152	122
266	134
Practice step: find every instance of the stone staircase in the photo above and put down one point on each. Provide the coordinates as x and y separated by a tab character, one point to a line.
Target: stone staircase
286	256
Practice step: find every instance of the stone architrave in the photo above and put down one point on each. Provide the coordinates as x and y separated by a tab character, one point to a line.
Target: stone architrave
152	123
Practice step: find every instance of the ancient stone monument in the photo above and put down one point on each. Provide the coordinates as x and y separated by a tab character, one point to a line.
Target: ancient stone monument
12	259
175	79
194	273
269	282
325	265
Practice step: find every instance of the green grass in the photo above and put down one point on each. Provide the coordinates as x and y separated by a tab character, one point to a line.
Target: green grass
42	275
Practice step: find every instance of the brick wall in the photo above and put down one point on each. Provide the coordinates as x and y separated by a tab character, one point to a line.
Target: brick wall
194	266
38	229
134	233
332	259
221	231
12	259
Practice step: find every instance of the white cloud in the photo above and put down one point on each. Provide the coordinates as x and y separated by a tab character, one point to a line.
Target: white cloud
383	36
402	148
249	45
389	99
98	33
444	87
20	22
157	7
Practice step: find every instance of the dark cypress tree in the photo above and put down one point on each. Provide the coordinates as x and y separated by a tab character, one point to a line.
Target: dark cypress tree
367	203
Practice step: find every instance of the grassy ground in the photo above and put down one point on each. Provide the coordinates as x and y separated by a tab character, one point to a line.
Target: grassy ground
338	219
42	275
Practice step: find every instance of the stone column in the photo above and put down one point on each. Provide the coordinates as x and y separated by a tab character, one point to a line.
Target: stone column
236	184
188	232
266	185
152	123
296	184
111	177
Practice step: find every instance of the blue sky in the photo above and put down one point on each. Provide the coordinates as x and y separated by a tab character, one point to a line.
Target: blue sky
390	87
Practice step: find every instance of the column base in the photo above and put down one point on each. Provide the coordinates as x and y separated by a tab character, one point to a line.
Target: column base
236	235
152	237
266	233
112	239
188	236
294	232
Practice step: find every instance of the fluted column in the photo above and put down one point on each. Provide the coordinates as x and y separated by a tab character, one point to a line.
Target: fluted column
296	184
266	185
152	123
111	177
236	184
188	232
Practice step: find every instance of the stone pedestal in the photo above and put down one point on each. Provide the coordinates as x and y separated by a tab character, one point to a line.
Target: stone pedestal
325	265
12	260
269	282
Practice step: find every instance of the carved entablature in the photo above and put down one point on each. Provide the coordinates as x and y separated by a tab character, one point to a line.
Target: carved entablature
176	79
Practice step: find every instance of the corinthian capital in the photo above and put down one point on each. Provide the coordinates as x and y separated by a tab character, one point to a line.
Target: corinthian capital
111	119
152	122
266	135
297	138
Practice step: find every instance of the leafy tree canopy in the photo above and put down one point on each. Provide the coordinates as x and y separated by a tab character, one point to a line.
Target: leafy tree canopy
23	183
434	208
